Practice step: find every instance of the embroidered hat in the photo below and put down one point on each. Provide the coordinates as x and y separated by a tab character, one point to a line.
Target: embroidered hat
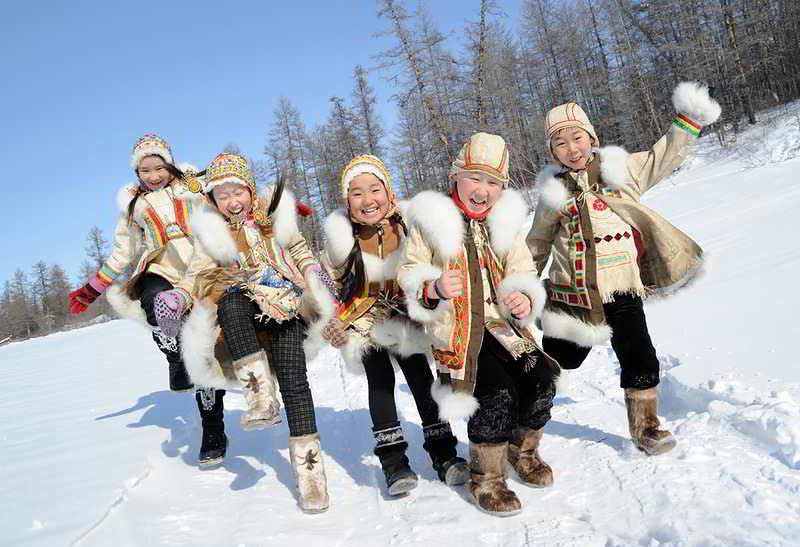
567	115
150	145
229	168
484	153
369	164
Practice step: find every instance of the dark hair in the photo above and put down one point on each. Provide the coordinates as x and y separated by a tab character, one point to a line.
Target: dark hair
353	277
277	194
174	171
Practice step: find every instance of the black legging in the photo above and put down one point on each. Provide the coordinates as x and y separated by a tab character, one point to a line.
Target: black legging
380	380
639	367
284	348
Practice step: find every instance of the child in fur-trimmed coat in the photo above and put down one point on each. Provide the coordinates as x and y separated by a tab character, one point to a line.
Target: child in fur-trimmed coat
470	279
254	288
154	235
370	326
609	251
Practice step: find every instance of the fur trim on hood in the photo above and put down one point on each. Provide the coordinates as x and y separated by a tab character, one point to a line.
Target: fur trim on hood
442	223
211	229
553	194
339	241
692	99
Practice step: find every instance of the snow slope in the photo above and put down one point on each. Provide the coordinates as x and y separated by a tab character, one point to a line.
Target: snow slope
97	452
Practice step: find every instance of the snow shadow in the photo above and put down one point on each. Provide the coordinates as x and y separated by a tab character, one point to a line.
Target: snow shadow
586	433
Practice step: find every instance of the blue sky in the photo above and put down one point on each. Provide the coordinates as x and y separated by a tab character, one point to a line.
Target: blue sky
82	80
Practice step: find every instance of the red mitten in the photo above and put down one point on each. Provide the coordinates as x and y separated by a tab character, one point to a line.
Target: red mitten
80	299
303	210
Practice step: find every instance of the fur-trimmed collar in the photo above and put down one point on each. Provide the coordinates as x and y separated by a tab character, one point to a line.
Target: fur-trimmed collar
339	241
213	230
442	223
613	172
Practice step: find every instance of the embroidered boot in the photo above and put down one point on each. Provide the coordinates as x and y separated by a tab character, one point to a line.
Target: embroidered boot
179	379
523	454
642	405
258	387
440	444
309	470
390	447
488	480
214	443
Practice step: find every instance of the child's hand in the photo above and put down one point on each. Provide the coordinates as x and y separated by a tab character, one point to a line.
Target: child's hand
80	299
169	307
334	332
518	304
449	285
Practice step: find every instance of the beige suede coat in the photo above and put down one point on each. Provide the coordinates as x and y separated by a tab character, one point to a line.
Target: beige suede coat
562	229
435	243
156	238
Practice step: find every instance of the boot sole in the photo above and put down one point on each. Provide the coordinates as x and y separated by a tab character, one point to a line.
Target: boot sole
211	463
496	513
314	511
402	486
662	447
182	390
260	424
457	475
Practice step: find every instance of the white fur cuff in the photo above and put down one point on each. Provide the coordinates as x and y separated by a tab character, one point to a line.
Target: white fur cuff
412	281
561	325
692	99
528	284
453	405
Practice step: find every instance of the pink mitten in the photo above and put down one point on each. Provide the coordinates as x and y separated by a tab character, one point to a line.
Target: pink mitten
169	309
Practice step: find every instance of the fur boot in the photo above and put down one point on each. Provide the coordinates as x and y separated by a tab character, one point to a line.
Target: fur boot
488	480
258	387
215	442
642	405
390	447
523	454
309	470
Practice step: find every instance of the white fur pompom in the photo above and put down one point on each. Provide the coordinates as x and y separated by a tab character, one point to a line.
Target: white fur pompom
692	99
453	405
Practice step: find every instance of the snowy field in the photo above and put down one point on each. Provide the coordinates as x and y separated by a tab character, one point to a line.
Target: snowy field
97	452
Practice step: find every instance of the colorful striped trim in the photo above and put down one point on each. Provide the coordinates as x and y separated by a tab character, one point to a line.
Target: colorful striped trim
691	127
106	276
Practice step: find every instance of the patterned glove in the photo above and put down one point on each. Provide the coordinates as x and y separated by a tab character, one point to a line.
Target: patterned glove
169	309
80	299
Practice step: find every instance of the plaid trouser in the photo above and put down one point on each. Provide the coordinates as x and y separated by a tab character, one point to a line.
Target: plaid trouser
284	347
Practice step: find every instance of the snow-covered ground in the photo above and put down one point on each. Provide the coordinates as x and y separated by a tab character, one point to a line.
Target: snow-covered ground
97	452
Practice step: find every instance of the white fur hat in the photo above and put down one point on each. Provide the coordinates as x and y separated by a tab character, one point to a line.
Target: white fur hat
365	164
